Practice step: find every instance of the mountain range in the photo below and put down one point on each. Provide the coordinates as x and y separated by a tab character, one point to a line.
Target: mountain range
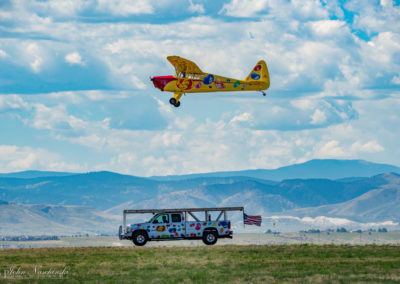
317	168
37	202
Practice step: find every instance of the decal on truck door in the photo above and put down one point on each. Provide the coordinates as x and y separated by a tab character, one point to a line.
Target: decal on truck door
160	222
176	219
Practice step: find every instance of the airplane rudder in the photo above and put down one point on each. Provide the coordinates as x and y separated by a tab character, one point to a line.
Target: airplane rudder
259	72
265	72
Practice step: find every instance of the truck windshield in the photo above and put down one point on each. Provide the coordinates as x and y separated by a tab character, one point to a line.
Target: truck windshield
154	217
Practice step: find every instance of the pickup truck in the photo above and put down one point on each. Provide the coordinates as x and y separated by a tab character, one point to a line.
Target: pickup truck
173	224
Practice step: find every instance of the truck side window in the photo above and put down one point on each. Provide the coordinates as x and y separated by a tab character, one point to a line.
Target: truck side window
162	218
176	218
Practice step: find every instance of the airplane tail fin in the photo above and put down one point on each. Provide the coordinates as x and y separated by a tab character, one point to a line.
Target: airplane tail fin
260	74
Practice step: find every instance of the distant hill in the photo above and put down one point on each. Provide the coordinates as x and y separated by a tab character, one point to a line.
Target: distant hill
327	169
34	174
98	189
377	205
45	219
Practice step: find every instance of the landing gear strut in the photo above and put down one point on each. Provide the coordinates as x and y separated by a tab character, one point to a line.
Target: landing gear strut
175	100
263	93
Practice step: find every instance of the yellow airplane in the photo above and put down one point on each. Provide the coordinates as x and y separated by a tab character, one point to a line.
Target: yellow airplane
190	79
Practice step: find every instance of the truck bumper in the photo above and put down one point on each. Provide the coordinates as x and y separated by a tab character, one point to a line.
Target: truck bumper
229	236
120	232
122	235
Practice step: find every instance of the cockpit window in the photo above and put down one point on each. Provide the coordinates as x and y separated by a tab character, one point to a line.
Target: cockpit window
193	76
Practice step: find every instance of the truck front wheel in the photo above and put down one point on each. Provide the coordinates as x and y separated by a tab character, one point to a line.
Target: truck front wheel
210	237
139	238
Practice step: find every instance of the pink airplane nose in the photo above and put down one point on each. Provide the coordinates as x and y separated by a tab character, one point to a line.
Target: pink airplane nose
161	81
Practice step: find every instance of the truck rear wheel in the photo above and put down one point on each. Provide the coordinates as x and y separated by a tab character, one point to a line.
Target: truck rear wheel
139	238
210	238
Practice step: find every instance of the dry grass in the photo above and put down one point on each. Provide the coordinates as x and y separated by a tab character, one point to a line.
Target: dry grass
233	264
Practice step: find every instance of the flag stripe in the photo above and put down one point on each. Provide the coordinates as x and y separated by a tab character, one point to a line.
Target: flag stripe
252	220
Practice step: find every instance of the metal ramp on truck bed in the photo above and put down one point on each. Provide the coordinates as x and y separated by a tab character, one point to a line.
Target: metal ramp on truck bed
189	211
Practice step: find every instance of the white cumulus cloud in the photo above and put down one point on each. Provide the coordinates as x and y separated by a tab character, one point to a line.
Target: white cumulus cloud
34	53
74	58
3	54
196	8
243	8
318	117
369	147
125	7
15	158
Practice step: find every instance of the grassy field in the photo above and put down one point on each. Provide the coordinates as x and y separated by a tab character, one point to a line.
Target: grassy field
218	264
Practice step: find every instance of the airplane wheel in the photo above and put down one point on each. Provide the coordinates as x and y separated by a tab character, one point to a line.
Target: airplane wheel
172	101
177	104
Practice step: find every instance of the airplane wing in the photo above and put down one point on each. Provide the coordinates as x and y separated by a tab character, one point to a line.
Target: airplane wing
184	65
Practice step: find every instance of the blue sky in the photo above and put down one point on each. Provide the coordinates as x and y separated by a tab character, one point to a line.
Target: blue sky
75	93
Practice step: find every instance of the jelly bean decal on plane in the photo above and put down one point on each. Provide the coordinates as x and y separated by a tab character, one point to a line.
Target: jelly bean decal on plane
208	79
184	84
219	84
255	76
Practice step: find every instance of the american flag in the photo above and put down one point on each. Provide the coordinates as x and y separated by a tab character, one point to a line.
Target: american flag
252	220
